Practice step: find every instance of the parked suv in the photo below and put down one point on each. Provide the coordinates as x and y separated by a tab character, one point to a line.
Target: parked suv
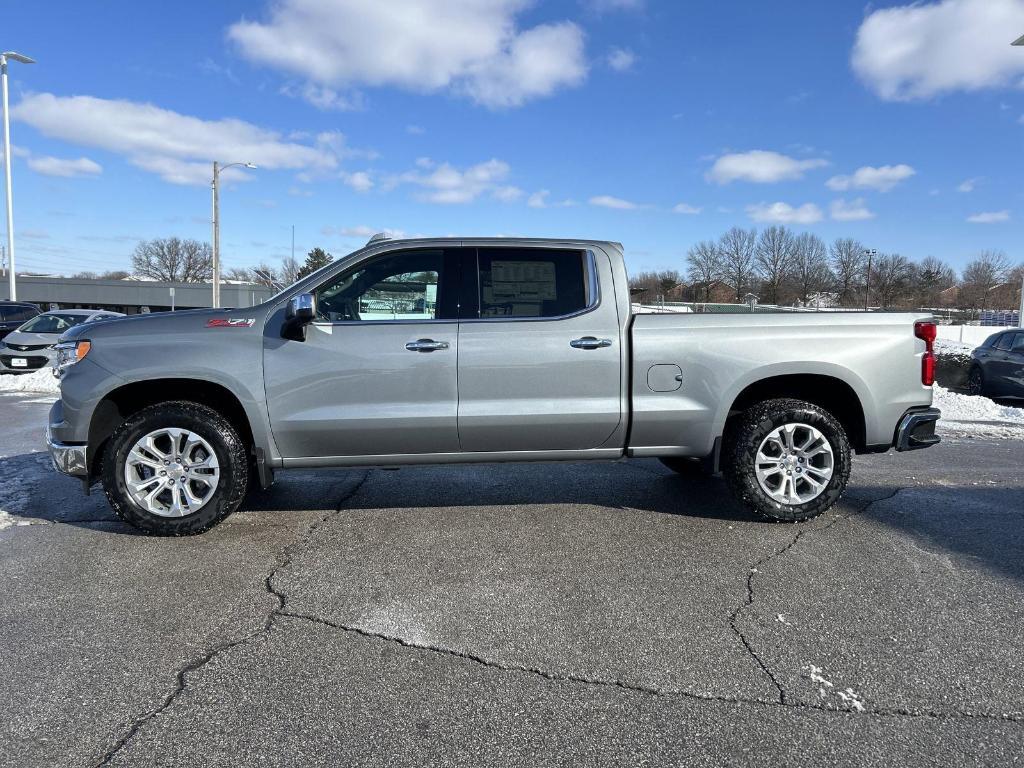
13	314
997	367
30	346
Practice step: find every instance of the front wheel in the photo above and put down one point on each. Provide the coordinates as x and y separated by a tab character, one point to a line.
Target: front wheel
787	459
175	469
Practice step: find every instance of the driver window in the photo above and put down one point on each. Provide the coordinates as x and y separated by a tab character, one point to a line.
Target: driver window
399	286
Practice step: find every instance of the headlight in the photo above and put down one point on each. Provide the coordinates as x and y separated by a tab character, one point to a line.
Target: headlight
69	353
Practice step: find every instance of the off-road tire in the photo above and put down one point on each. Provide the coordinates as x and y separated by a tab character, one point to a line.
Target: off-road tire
743	438
206	422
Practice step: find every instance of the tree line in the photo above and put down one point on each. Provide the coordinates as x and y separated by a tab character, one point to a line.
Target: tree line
178	260
783	267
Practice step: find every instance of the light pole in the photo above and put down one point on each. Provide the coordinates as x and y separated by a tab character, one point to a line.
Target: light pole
7	164
869	252
217	168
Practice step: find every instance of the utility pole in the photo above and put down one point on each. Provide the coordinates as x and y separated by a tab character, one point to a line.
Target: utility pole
1020	313
869	252
293	242
215	186
7	165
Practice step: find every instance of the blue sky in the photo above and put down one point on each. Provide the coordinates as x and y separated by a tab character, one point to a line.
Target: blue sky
653	123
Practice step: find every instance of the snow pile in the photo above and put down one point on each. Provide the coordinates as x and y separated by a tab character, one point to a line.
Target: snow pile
946	347
42	380
969	416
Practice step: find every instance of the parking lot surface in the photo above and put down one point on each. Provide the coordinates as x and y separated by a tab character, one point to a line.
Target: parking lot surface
600	614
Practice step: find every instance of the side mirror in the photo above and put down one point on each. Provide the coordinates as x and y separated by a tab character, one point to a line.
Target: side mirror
300	313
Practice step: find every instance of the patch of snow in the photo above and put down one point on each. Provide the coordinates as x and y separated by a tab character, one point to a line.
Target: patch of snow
42	380
947	347
971	416
849	697
782	620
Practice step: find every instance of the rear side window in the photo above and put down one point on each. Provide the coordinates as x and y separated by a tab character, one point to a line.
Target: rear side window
1018	343
525	283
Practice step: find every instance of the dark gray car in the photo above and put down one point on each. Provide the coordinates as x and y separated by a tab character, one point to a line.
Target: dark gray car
997	367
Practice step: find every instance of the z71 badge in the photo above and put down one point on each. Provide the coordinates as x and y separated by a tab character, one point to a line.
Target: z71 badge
231	322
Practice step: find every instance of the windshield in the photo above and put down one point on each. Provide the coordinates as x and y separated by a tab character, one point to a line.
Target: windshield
52	323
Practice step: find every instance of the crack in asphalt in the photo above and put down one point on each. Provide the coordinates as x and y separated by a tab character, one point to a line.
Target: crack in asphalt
752	572
283	560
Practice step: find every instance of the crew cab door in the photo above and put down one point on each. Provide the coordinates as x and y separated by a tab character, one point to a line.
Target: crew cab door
539	351
377	373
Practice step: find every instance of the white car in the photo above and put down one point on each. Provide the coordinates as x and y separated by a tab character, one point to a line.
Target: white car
30	347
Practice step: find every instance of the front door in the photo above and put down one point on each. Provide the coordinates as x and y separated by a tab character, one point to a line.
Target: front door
377	373
539	351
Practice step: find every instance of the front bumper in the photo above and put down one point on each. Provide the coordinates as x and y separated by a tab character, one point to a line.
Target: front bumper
69	459
917	429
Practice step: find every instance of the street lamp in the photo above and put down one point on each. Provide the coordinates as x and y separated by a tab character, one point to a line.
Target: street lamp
7	162
869	252
217	168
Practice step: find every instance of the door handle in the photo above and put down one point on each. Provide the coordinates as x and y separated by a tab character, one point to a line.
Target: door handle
589	342
426	345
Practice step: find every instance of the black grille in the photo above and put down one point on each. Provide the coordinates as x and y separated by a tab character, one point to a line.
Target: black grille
33	362
27	347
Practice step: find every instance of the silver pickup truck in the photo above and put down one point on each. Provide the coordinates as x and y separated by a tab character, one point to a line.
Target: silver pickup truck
479	350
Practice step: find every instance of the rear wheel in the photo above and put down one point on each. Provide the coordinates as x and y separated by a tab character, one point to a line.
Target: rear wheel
787	459
976	381
175	469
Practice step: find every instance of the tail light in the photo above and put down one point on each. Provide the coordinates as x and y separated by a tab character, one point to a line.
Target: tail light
927	331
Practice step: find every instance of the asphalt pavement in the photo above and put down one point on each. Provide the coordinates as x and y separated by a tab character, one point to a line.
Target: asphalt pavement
535	614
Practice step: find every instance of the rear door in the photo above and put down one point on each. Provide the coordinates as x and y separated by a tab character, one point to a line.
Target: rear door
1000	364
539	351
1013	378
377	372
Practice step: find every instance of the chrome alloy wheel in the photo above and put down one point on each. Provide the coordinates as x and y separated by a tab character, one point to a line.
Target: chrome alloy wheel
794	464
171	472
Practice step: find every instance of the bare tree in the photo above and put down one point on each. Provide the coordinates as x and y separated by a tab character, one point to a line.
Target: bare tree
289	271
931	277
774	257
173	260
651	285
847	256
890	277
810	266
704	265
736	250
987	270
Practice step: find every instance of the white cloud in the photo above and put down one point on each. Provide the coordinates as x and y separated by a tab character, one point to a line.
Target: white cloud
56	166
360	181
538	199
325	98
968	185
617	203
686	208
920	50
759	166
854	210
415	130
621	59
447	184
507	194
470	46
176	147
989	217
784	213
883	178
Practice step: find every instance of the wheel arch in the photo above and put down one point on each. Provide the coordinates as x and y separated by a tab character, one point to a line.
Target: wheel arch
830	392
120	403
